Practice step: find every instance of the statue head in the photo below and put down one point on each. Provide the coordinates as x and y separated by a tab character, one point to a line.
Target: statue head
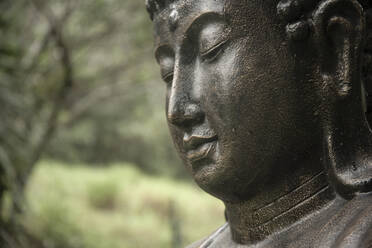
263	91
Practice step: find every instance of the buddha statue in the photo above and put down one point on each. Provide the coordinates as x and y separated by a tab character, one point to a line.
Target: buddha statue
268	105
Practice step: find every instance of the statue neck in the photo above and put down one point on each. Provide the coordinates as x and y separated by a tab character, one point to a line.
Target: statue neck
251	224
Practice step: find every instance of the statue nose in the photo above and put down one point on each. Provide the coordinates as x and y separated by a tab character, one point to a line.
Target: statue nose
183	108
185	114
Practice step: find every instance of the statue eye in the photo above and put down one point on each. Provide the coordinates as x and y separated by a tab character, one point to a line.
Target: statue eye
165	56
168	78
212	53
166	68
212	39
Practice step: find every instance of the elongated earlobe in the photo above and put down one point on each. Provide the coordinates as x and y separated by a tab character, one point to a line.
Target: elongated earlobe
339	27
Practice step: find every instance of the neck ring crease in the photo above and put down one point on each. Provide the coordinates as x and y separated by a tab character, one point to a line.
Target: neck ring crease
282	212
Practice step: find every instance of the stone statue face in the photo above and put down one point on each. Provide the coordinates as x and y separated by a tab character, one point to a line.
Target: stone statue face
237	112
265	104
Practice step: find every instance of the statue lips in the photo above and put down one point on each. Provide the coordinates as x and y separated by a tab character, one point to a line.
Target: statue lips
198	147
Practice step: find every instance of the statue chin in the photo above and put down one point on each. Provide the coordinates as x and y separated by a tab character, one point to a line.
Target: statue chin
266	104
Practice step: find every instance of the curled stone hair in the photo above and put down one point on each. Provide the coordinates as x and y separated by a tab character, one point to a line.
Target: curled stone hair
155	6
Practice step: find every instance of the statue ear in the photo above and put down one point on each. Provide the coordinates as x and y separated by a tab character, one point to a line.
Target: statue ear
339	29
339	32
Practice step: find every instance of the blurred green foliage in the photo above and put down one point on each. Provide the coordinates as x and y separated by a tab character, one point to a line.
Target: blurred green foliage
79	85
103	195
60	212
115	109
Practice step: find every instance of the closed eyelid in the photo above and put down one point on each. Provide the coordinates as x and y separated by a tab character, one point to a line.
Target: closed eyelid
191	41
164	52
214	39
192	32
217	45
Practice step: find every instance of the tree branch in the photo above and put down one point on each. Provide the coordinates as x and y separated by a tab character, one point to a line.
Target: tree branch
67	83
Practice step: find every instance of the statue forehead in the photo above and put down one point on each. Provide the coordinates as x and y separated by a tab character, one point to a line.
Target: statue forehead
179	15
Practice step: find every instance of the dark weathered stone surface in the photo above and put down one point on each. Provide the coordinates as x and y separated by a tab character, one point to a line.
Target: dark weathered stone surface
266	103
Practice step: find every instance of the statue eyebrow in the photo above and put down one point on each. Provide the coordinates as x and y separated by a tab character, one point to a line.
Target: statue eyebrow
193	29
158	50
199	21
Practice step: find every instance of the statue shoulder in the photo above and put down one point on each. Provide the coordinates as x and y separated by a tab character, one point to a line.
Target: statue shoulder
352	226
214	239
196	244
359	229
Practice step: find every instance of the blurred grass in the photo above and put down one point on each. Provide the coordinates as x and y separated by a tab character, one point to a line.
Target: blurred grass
116	206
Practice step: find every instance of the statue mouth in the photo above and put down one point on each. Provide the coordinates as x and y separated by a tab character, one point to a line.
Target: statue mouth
202	152
199	147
